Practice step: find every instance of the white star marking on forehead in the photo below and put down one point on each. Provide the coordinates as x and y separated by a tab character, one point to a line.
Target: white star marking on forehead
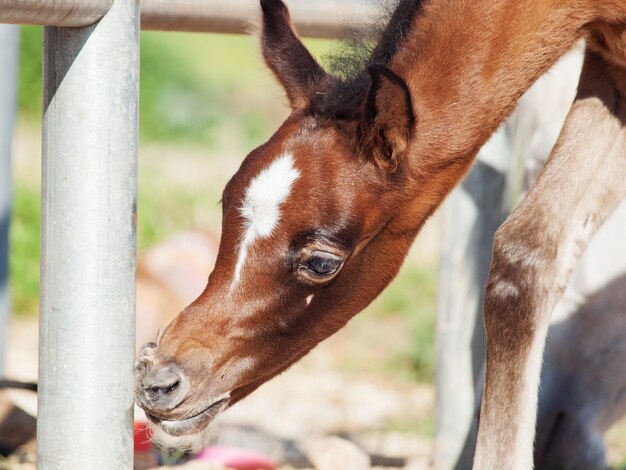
261	205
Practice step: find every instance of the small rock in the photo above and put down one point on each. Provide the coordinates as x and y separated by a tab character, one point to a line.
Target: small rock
16	426
419	463
332	453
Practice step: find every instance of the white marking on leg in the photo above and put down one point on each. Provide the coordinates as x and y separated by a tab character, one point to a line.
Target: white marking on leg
261	205
529	398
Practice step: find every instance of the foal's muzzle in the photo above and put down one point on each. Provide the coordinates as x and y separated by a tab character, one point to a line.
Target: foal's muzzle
158	388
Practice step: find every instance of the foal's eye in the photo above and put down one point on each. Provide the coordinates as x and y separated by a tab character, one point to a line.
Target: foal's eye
321	266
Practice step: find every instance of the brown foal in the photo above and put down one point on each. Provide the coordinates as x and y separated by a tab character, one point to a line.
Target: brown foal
318	220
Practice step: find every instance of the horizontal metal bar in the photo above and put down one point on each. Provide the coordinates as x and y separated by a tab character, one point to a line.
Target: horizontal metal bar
53	12
313	18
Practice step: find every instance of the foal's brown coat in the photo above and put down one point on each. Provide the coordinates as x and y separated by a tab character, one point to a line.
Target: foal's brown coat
376	156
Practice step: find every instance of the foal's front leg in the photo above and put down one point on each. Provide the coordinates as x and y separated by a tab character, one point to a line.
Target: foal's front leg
534	252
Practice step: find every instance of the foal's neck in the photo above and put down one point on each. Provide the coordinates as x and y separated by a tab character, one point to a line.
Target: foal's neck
466	64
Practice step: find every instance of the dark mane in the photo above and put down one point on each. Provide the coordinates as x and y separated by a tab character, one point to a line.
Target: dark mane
349	63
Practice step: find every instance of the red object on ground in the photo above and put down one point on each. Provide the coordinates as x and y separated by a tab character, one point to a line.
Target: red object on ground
143	438
236	458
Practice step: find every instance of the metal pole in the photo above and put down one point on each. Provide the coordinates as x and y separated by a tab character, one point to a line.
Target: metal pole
89	190
471	215
313	18
9	52
53	12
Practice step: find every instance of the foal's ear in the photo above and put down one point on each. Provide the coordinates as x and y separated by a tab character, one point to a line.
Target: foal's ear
296	69
388	118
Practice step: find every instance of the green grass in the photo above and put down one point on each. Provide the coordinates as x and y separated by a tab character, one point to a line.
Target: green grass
161	215
31	42
191	86
25	241
24	254
194	87
413	295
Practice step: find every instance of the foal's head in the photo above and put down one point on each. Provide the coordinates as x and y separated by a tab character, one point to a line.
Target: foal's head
316	223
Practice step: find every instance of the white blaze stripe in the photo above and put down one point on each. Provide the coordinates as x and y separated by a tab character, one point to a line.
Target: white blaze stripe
261	205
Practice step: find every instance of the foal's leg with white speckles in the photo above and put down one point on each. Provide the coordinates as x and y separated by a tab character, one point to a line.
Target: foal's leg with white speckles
534	253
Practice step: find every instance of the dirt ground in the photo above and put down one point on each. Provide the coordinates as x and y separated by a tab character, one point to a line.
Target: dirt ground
319	396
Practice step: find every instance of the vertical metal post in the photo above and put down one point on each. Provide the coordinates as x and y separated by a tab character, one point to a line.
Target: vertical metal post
9	52
89	190
471	216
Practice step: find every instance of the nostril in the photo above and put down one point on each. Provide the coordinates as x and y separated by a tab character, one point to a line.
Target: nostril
155	392
164	388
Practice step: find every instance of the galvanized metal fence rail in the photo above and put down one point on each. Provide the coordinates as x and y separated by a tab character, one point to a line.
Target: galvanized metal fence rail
89	194
314	18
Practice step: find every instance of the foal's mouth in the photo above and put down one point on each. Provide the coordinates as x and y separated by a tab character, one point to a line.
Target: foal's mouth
192	424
